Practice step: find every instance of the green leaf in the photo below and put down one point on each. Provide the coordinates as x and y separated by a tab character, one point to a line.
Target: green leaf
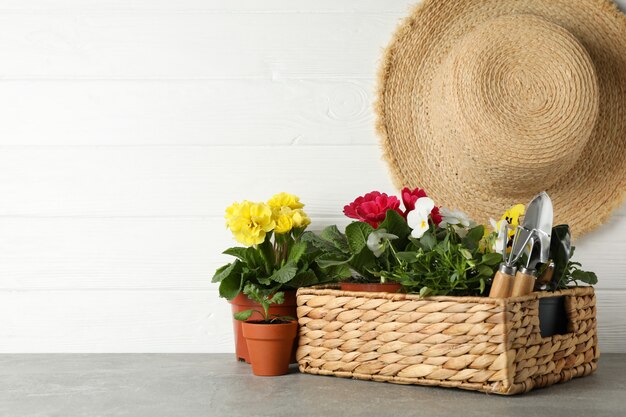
409	257
466	253
264	281
482	285
414	245
303	279
428	241
250	256
357	233
222	272
332	259
332	234
424	291
322	244
277	298
253	292
237	252
395	224
363	263
485	270
297	232
230	286
560	253
585	276
253	258
475	234
333	274
227	271
243	315
491	259
297	250
284	274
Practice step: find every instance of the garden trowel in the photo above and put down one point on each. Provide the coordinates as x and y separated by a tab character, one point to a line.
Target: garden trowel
533	238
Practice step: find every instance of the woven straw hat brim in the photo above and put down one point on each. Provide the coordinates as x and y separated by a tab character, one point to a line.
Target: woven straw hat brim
576	148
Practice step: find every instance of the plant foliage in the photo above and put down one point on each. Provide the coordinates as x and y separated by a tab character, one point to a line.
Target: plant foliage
450	260
566	272
265	298
286	263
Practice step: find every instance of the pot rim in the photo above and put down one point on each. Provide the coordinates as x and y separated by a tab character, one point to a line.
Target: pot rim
242	300
261	323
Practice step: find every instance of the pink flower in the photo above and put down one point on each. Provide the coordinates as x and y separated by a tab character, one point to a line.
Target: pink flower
372	207
410	197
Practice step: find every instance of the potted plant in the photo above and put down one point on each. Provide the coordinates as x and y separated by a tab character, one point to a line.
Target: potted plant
559	274
273	258
269	340
413	248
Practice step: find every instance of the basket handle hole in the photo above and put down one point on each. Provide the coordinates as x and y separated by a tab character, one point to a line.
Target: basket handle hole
553	318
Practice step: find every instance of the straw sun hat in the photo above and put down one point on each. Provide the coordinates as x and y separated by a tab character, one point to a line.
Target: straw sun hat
485	103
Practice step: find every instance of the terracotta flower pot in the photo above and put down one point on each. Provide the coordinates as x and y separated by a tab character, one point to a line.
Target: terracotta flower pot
242	303
270	346
367	287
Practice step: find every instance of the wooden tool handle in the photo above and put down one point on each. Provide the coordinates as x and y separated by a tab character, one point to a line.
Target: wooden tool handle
502	285
546	277
523	284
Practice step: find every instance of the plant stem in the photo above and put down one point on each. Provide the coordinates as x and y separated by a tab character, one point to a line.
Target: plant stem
266	308
393	251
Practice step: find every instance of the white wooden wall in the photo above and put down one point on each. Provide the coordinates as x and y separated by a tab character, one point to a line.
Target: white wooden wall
126	127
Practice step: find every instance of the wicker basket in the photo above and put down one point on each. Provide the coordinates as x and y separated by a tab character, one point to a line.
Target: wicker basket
475	343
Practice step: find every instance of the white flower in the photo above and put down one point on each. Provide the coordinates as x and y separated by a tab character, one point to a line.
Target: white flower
424	205
418	218
502	238
377	241
454	217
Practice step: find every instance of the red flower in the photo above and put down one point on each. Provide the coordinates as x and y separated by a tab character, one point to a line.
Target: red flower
372	207
410	197
436	216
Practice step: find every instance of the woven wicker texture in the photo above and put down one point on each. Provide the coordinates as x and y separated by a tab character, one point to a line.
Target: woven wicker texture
474	343
485	103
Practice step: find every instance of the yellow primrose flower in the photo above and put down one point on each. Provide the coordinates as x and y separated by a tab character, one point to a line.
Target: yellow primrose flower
285	200
233	212
283	219
249	222
300	219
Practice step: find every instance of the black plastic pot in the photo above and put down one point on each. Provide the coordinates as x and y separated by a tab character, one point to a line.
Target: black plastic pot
552	316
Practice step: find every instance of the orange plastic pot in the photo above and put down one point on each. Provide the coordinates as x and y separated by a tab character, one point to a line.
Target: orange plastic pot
270	346
367	287
242	303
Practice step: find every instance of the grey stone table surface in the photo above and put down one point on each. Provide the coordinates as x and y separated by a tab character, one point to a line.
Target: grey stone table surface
189	385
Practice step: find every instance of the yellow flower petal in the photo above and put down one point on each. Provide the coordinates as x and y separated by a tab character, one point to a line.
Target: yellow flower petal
300	219
284	222
285	200
249	222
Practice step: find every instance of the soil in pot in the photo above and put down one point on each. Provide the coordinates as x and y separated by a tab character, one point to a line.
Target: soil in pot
242	303
270	346
370	287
